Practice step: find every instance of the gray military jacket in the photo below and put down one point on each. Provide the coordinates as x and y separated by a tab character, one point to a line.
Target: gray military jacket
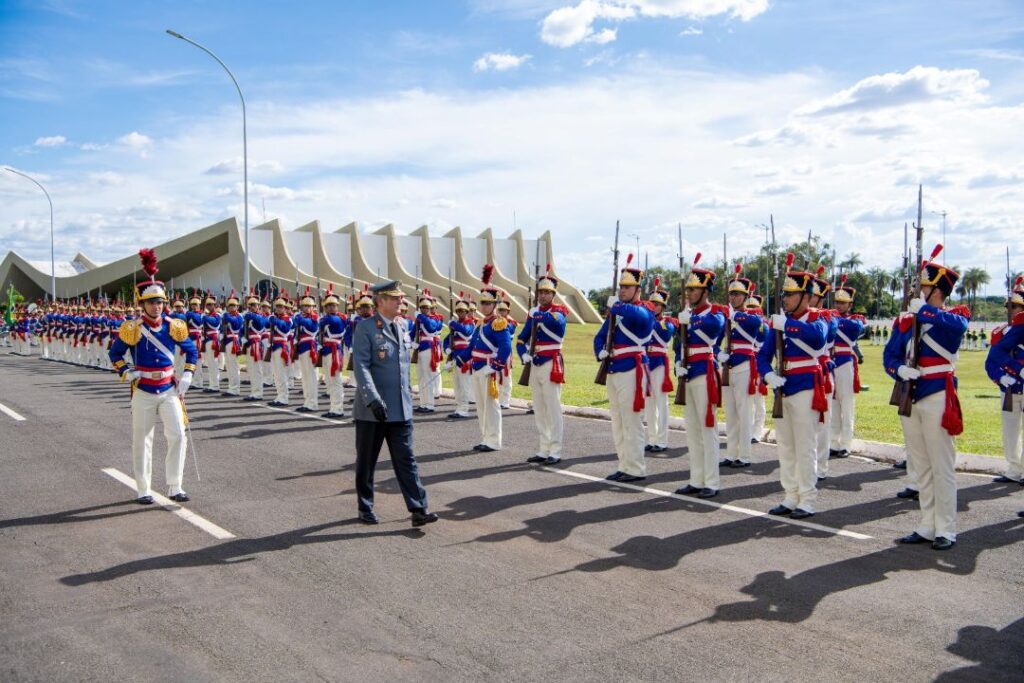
381	366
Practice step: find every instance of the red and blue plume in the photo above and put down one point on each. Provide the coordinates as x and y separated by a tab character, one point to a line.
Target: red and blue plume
148	258
790	257
487	274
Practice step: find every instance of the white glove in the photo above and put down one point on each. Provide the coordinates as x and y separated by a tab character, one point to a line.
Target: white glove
527	358
534	310
723	356
774	381
602	354
915	305
684	317
907	373
449	365
486	370
1007	380
681	370
779	321
612	300
133	375
184	383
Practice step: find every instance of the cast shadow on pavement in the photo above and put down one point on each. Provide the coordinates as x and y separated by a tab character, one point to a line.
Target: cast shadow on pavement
233	552
76	515
998	654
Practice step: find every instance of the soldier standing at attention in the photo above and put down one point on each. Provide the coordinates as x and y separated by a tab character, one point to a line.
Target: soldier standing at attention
332	333
426	336
849	327
935	418
660	370
490	348
255	324
1005	365
546	326
149	340
211	345
461	328
803	390
306	328
383	405
740	356
631	324
231	344
279	326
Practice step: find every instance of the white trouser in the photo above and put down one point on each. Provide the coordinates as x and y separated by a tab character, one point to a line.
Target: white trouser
701	440
335	385
44	347
268	370
1013	423
145	409
739	413
425	379
627	425
547	410
462	384
438	377
280	370
843	408
234	372
760	415
505	391
254	370
307	371
930	448
656	410
823	438
488	412
794	432
212	366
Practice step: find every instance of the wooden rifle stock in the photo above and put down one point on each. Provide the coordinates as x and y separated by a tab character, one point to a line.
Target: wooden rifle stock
524	376
602	370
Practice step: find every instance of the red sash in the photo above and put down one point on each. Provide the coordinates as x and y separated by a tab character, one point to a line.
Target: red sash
952	415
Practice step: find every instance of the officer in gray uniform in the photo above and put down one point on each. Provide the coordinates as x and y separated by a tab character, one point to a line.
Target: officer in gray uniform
382	408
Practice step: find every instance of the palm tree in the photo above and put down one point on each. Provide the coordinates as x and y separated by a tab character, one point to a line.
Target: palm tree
970	282
852	262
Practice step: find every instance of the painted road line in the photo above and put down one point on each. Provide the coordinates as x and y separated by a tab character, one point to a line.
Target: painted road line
710	503
168	504
10	413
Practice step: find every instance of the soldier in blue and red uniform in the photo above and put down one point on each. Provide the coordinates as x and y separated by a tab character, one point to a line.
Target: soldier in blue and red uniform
456	344
546	324
232	332
306	328
150	340
504	309
194	321
746	333
703	323
660	370
363	309
823	429
178	313
279	327
426	337
333	324
936	417
490	349
210	349
254	324
803	390
627	362
849	328
1005	367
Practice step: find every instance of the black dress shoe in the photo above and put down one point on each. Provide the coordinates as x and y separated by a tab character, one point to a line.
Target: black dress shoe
429	410
707	493
912	538
658	449
627	478
180	497
780	511
144	500
833	453
739	464
688	490
209	391
277	404
456	416
800	513
901	465
552	461
753	440
252	399
537	458
368	517
908	494
421	517
822	478
843	453
1003	479
303	409
1021	513
484	448
726	462
942	543
478	447
530	411
614	476
648	448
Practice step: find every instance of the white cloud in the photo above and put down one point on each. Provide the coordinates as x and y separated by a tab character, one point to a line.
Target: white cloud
234	166
92	146
137	142
715	202
442	203
50	141
771	189
260	191
574	24
499	61
788	135
107	178
995	179
919	85
691	31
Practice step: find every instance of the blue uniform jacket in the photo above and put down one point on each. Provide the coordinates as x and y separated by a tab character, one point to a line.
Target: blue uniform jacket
157	367
1006	355
703	336
848	331
550	323
491	344
945	329
306	329
634	324
808	331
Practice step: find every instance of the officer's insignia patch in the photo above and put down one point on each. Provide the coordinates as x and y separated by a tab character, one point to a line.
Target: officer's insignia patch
129	332
178	330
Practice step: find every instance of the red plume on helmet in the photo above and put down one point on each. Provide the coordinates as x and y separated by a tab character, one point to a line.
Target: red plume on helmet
657	283
148	258
935	252
629	259
790	257
821	270
696	259
487	274
842	280
739	268
1019	281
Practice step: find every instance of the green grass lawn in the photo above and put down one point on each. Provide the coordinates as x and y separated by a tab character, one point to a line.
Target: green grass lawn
876	419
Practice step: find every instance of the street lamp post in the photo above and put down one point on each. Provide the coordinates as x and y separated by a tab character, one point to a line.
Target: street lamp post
53	269
245	152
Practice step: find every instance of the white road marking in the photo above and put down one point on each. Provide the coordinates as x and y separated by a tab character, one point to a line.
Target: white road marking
168	504
711	503
10	413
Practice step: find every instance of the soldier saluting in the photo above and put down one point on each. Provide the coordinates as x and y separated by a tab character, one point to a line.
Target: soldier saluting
151	340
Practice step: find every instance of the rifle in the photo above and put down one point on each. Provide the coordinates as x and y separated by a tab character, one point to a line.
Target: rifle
728	332
524	376
416	327
602	370
684	336
894	397
906	404
780	339
680	399
1007	394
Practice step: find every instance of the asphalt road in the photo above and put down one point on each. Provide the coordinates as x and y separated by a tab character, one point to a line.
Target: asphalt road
531	574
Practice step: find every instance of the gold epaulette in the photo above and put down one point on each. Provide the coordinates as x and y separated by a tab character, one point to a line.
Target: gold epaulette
178	329
129	332
499	324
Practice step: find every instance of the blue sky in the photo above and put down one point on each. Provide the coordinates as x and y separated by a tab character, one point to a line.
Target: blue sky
572	113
